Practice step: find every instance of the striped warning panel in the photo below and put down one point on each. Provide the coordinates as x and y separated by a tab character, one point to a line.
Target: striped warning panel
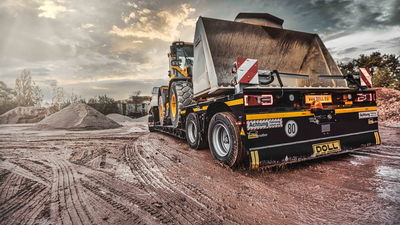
247	70
366	77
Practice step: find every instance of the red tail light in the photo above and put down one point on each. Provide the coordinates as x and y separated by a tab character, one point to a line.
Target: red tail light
364	97
254	100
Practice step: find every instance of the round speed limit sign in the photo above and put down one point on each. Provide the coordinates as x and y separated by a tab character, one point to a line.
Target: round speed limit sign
291	128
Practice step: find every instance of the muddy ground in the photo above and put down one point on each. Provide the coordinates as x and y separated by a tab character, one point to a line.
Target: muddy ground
130	176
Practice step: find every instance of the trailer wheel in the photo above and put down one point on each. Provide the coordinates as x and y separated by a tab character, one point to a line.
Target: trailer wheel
224	139
152	119
181	94
194	137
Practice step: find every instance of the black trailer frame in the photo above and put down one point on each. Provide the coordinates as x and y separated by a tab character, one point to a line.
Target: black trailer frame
346	123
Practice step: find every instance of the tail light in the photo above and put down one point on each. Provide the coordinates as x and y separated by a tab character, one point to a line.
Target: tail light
254	100
364	97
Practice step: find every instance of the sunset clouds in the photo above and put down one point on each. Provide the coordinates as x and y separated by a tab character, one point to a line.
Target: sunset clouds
116	47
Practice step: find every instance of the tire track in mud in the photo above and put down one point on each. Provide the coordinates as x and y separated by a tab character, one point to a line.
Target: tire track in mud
31	209
149	205
158	191
8	185
164	151
28	200
19	190
134	218
179	200
67	206
25	164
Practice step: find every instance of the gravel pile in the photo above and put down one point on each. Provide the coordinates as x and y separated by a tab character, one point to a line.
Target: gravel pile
388	101
119	118
77	116
24	115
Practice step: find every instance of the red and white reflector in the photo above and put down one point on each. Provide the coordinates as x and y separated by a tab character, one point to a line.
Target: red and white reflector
247	71
365	77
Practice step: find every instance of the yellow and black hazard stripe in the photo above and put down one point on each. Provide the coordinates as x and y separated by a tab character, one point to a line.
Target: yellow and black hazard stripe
358	109
277	115
377	138
200	109
234	102
255	160
304	113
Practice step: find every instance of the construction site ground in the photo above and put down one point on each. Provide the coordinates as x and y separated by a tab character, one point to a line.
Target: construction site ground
130	176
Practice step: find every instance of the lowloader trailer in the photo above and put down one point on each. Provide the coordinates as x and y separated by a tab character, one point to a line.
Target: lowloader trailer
259	95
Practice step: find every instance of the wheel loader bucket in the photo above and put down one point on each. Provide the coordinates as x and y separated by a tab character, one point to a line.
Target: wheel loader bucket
219	43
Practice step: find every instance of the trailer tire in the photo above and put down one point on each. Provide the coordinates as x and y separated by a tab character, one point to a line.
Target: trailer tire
181	95
152	118
224	139
151	129
194	136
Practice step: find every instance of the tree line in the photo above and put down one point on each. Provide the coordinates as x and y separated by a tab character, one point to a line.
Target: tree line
27	93
385	68
385	73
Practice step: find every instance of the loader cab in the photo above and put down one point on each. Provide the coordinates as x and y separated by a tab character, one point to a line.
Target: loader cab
180	59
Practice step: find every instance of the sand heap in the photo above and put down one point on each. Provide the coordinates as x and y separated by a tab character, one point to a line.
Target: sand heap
388	101
119	118
77	116
24	115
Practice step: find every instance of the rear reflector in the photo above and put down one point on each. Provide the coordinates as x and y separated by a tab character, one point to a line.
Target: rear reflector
364	97
254	100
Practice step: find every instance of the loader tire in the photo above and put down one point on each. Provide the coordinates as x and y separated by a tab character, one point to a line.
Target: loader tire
161	110
181	95
194	136
224	140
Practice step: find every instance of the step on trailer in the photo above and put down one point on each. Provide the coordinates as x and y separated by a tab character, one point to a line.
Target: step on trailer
260	95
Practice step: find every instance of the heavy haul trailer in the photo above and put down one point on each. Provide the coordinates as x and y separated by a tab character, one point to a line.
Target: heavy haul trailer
262	95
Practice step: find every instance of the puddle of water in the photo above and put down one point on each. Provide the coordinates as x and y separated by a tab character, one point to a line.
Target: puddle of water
356	163
389	179
358	159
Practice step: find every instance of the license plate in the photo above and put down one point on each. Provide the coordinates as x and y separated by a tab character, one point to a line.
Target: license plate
321	98
326	148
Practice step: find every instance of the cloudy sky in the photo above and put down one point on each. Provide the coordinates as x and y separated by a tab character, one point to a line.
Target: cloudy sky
115	47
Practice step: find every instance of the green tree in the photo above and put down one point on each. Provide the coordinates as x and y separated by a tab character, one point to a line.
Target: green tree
7	98
6	93
27	92
104	104
382	77
385	68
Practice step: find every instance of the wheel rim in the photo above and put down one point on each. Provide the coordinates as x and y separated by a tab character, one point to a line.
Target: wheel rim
173	105
221	139
192	131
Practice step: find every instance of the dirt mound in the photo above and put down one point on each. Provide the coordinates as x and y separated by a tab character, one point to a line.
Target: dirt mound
24	115
77	116
388	101
119	118
142	119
